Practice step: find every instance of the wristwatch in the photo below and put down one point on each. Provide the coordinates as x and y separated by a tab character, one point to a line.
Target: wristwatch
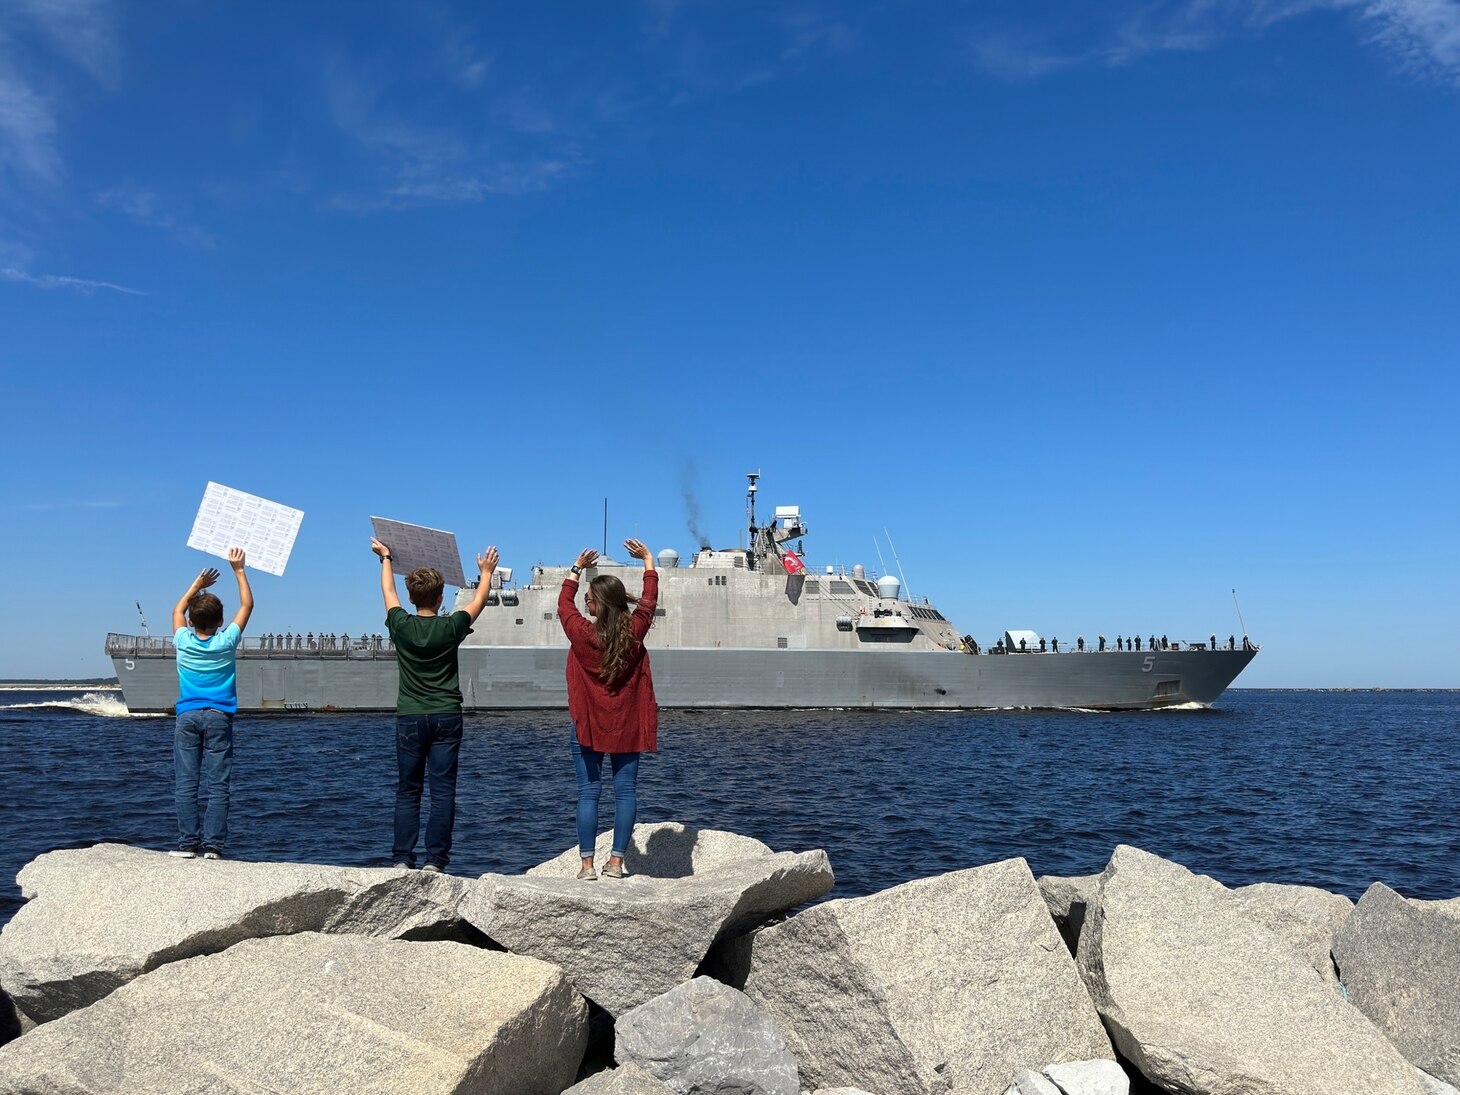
383	558
576	569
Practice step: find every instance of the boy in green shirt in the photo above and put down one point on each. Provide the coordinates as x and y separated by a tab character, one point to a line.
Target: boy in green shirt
428	705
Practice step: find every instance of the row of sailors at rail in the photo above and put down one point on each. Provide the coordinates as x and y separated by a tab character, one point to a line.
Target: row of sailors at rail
1121	643
310	641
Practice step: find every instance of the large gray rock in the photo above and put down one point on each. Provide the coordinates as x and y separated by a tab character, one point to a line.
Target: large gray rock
663	849
1400	961
1067	899
317	1013
98	917
947	984
1089	1078
1201	998
705	1038
627	1079
1433	1086
1030	1082
1304	916
623	942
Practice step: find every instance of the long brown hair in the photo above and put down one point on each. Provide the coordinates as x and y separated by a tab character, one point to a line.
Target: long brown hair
613	625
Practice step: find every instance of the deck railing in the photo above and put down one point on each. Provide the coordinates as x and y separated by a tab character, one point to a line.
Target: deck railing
263	646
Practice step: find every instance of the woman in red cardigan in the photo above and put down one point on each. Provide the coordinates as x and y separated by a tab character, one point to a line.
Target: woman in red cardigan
610	697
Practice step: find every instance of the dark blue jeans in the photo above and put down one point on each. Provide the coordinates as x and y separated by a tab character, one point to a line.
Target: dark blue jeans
589	765
426	747
202	753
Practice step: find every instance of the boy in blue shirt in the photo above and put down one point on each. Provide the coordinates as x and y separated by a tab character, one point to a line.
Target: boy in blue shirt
206	703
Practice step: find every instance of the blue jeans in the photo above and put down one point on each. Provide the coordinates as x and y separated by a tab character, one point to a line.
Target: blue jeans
589	765
202	752
426	746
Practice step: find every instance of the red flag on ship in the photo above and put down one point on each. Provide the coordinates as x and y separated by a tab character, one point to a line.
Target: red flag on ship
792	562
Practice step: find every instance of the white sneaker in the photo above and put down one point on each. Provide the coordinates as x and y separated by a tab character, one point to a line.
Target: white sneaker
184	853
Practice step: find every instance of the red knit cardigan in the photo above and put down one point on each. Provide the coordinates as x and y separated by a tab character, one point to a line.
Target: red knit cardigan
617	718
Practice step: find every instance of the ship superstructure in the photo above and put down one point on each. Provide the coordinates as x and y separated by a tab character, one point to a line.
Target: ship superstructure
749	626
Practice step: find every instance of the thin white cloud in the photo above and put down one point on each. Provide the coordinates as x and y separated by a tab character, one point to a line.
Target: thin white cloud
432	164
27	126
63	281
1424	35
1009	59
146	208
49	507
79	29
810	30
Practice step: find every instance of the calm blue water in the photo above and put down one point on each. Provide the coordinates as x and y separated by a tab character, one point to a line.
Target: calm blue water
1334	790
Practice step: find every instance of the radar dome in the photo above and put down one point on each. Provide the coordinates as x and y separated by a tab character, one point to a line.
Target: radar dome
859	571
888	587
669	558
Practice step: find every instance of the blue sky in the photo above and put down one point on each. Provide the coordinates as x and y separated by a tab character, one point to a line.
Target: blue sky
1100	310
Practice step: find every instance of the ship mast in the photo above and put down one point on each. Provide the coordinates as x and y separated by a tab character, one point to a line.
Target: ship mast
754	543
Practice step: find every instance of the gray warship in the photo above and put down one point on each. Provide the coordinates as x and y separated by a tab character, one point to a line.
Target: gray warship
748	627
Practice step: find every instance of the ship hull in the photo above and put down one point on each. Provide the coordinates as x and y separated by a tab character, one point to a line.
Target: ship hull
506	678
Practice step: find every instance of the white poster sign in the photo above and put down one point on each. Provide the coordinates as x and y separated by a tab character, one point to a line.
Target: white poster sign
413	546
230	518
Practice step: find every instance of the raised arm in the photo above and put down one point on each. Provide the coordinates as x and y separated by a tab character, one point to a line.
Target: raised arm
486	566
637	549
649	598
574	625
387	575
180	610
245	594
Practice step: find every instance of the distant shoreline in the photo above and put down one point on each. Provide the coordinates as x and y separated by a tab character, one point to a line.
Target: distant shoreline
62	682
1338	688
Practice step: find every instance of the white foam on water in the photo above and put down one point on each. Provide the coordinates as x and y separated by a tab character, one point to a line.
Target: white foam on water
89	703
1190	705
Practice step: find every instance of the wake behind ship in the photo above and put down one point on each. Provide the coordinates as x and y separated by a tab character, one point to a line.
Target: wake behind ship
737	628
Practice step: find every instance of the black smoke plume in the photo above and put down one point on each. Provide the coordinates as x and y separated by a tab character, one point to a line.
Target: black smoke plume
687	476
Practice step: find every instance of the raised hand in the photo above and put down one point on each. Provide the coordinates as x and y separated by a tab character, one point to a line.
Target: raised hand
379	548
487	560
206	578
587	557
235	558
636	548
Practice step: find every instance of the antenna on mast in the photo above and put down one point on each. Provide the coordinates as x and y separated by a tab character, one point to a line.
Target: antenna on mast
143	619
1241	622
907	591
881	562
750	508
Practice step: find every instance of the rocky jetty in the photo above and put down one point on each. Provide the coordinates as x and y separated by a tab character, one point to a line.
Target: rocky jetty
950	983
623	942
705	971
98	917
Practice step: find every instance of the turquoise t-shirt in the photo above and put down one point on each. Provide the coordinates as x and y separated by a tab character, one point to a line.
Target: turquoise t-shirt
206	674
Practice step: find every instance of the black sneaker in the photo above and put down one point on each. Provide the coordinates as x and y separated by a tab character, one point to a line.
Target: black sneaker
212	853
